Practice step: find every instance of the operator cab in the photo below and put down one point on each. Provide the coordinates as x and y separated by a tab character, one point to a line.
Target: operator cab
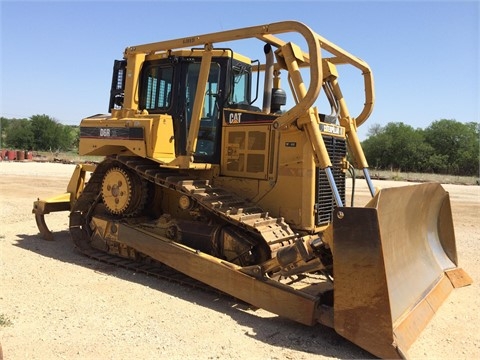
168	83
168	86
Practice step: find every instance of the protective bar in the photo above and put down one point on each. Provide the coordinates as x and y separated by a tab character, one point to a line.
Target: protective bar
333	186
369	181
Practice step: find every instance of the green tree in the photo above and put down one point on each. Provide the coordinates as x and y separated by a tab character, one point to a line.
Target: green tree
3	123
19	134
397	146
50	135
374	130
75	132
4	126
457	144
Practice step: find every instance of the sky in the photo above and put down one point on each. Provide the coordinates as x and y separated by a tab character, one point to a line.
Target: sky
57	56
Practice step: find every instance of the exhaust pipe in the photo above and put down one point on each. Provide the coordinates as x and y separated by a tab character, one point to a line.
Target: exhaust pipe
268	83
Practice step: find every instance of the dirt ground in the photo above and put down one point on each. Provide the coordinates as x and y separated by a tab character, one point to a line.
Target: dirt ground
57	304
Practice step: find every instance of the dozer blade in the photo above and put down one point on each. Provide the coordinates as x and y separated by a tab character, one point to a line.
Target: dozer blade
395	262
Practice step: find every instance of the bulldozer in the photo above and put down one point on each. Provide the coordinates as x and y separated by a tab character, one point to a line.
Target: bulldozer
250	199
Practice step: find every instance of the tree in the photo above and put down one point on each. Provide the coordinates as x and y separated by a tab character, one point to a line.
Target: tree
75	132
446	146
19	134
40	132
374	130
397	146
49	134
3	123
457	144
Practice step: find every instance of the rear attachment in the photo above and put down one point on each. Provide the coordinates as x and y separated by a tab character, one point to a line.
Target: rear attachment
62	202
395	262
53	204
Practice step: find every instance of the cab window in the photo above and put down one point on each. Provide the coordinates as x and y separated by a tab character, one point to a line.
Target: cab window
157	88
240	92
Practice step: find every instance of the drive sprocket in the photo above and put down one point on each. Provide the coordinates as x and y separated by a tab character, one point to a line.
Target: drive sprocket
123	192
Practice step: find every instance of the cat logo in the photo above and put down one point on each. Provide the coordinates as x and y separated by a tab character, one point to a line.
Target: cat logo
234	118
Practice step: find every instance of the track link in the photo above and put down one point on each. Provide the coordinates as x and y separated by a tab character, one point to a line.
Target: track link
218	202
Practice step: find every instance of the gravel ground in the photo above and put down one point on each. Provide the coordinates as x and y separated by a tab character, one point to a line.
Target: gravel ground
57	304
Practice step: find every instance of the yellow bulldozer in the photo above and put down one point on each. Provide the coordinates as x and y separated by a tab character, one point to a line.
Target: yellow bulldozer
250	199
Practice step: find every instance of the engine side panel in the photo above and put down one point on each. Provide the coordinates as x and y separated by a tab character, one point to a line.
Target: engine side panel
151	137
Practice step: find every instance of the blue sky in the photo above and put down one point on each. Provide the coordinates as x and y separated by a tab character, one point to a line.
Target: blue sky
57	56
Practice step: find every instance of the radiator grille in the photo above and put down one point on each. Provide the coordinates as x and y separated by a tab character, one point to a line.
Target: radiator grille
325	202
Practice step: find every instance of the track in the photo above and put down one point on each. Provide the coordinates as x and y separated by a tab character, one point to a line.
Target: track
218	202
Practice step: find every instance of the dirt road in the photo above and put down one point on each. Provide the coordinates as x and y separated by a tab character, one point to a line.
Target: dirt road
57	304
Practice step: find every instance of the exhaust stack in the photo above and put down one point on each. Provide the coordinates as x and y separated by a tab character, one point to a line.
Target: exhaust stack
268	83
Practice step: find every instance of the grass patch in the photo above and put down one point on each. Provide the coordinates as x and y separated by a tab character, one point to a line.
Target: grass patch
421	177
5	321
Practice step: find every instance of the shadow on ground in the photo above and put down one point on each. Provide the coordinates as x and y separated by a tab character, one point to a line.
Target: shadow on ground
275	331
